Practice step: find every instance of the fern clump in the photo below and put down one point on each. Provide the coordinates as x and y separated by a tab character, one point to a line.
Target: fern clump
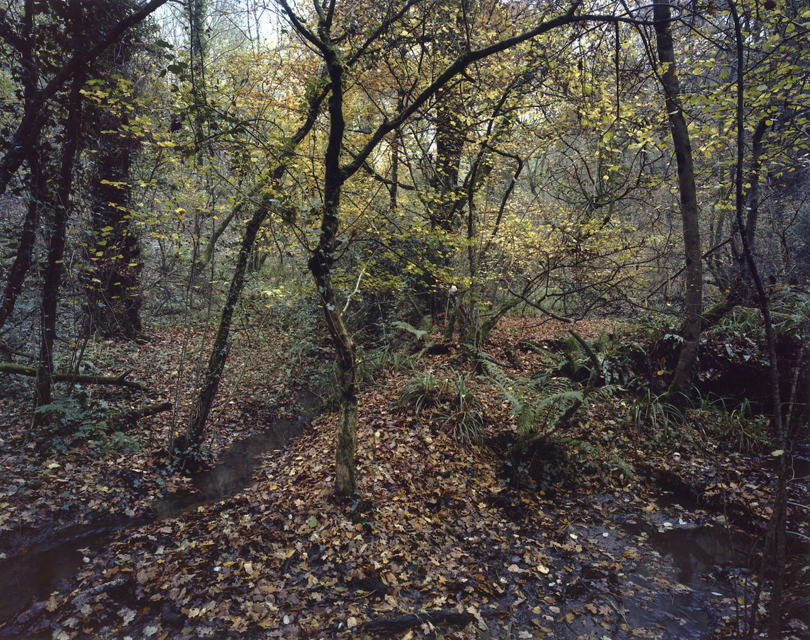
426	391
451	401
543	405
536	404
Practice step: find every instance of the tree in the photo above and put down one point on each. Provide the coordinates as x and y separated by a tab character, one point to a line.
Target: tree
113	255
332	48
42	74
692	319
112	279
32	119
263	201
23	44
41	47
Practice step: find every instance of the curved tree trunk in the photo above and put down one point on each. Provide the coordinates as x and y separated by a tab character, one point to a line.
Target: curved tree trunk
36	178
320	264
692	321
25	249
219	352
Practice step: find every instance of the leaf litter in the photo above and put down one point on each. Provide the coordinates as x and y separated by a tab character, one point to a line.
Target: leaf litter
437	542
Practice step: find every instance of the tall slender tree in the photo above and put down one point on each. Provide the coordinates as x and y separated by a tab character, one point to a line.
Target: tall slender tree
692	319
60	206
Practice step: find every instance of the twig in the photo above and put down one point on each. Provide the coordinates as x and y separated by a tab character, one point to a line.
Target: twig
357	285
403	623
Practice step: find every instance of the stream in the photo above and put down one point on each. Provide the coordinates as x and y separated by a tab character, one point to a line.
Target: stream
671	583
671	580
36	572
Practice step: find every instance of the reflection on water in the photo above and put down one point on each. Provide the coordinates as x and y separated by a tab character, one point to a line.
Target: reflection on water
35	573
231	474
696	552
664	583
688	613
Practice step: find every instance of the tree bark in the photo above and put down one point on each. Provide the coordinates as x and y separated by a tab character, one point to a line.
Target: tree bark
25	249
36	181
692	321
403	623
219	352
320	265
52	277
112	283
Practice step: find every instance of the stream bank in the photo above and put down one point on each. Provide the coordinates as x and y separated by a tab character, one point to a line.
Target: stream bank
38	569
437	531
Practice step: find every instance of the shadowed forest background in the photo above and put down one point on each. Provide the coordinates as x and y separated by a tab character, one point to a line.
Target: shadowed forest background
416	318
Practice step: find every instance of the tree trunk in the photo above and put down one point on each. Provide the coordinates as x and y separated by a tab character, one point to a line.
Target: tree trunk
445	199
36	182
112	283
13	368
345	474
320	265
52	277
219	353
22	260
692	321
778	532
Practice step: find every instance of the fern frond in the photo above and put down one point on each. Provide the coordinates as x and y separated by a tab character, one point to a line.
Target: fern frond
419	333
526	420
595	451
505	384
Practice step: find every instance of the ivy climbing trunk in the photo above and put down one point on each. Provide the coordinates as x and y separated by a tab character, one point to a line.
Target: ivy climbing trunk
692	320
112	283
445	199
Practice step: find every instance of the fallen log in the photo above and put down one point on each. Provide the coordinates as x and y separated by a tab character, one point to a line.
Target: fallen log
148	410
120	381
403	623
130	417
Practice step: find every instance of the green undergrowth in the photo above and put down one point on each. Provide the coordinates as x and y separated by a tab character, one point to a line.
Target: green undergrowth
448	399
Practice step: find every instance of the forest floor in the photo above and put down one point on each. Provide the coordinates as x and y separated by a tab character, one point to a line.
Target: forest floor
617	531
